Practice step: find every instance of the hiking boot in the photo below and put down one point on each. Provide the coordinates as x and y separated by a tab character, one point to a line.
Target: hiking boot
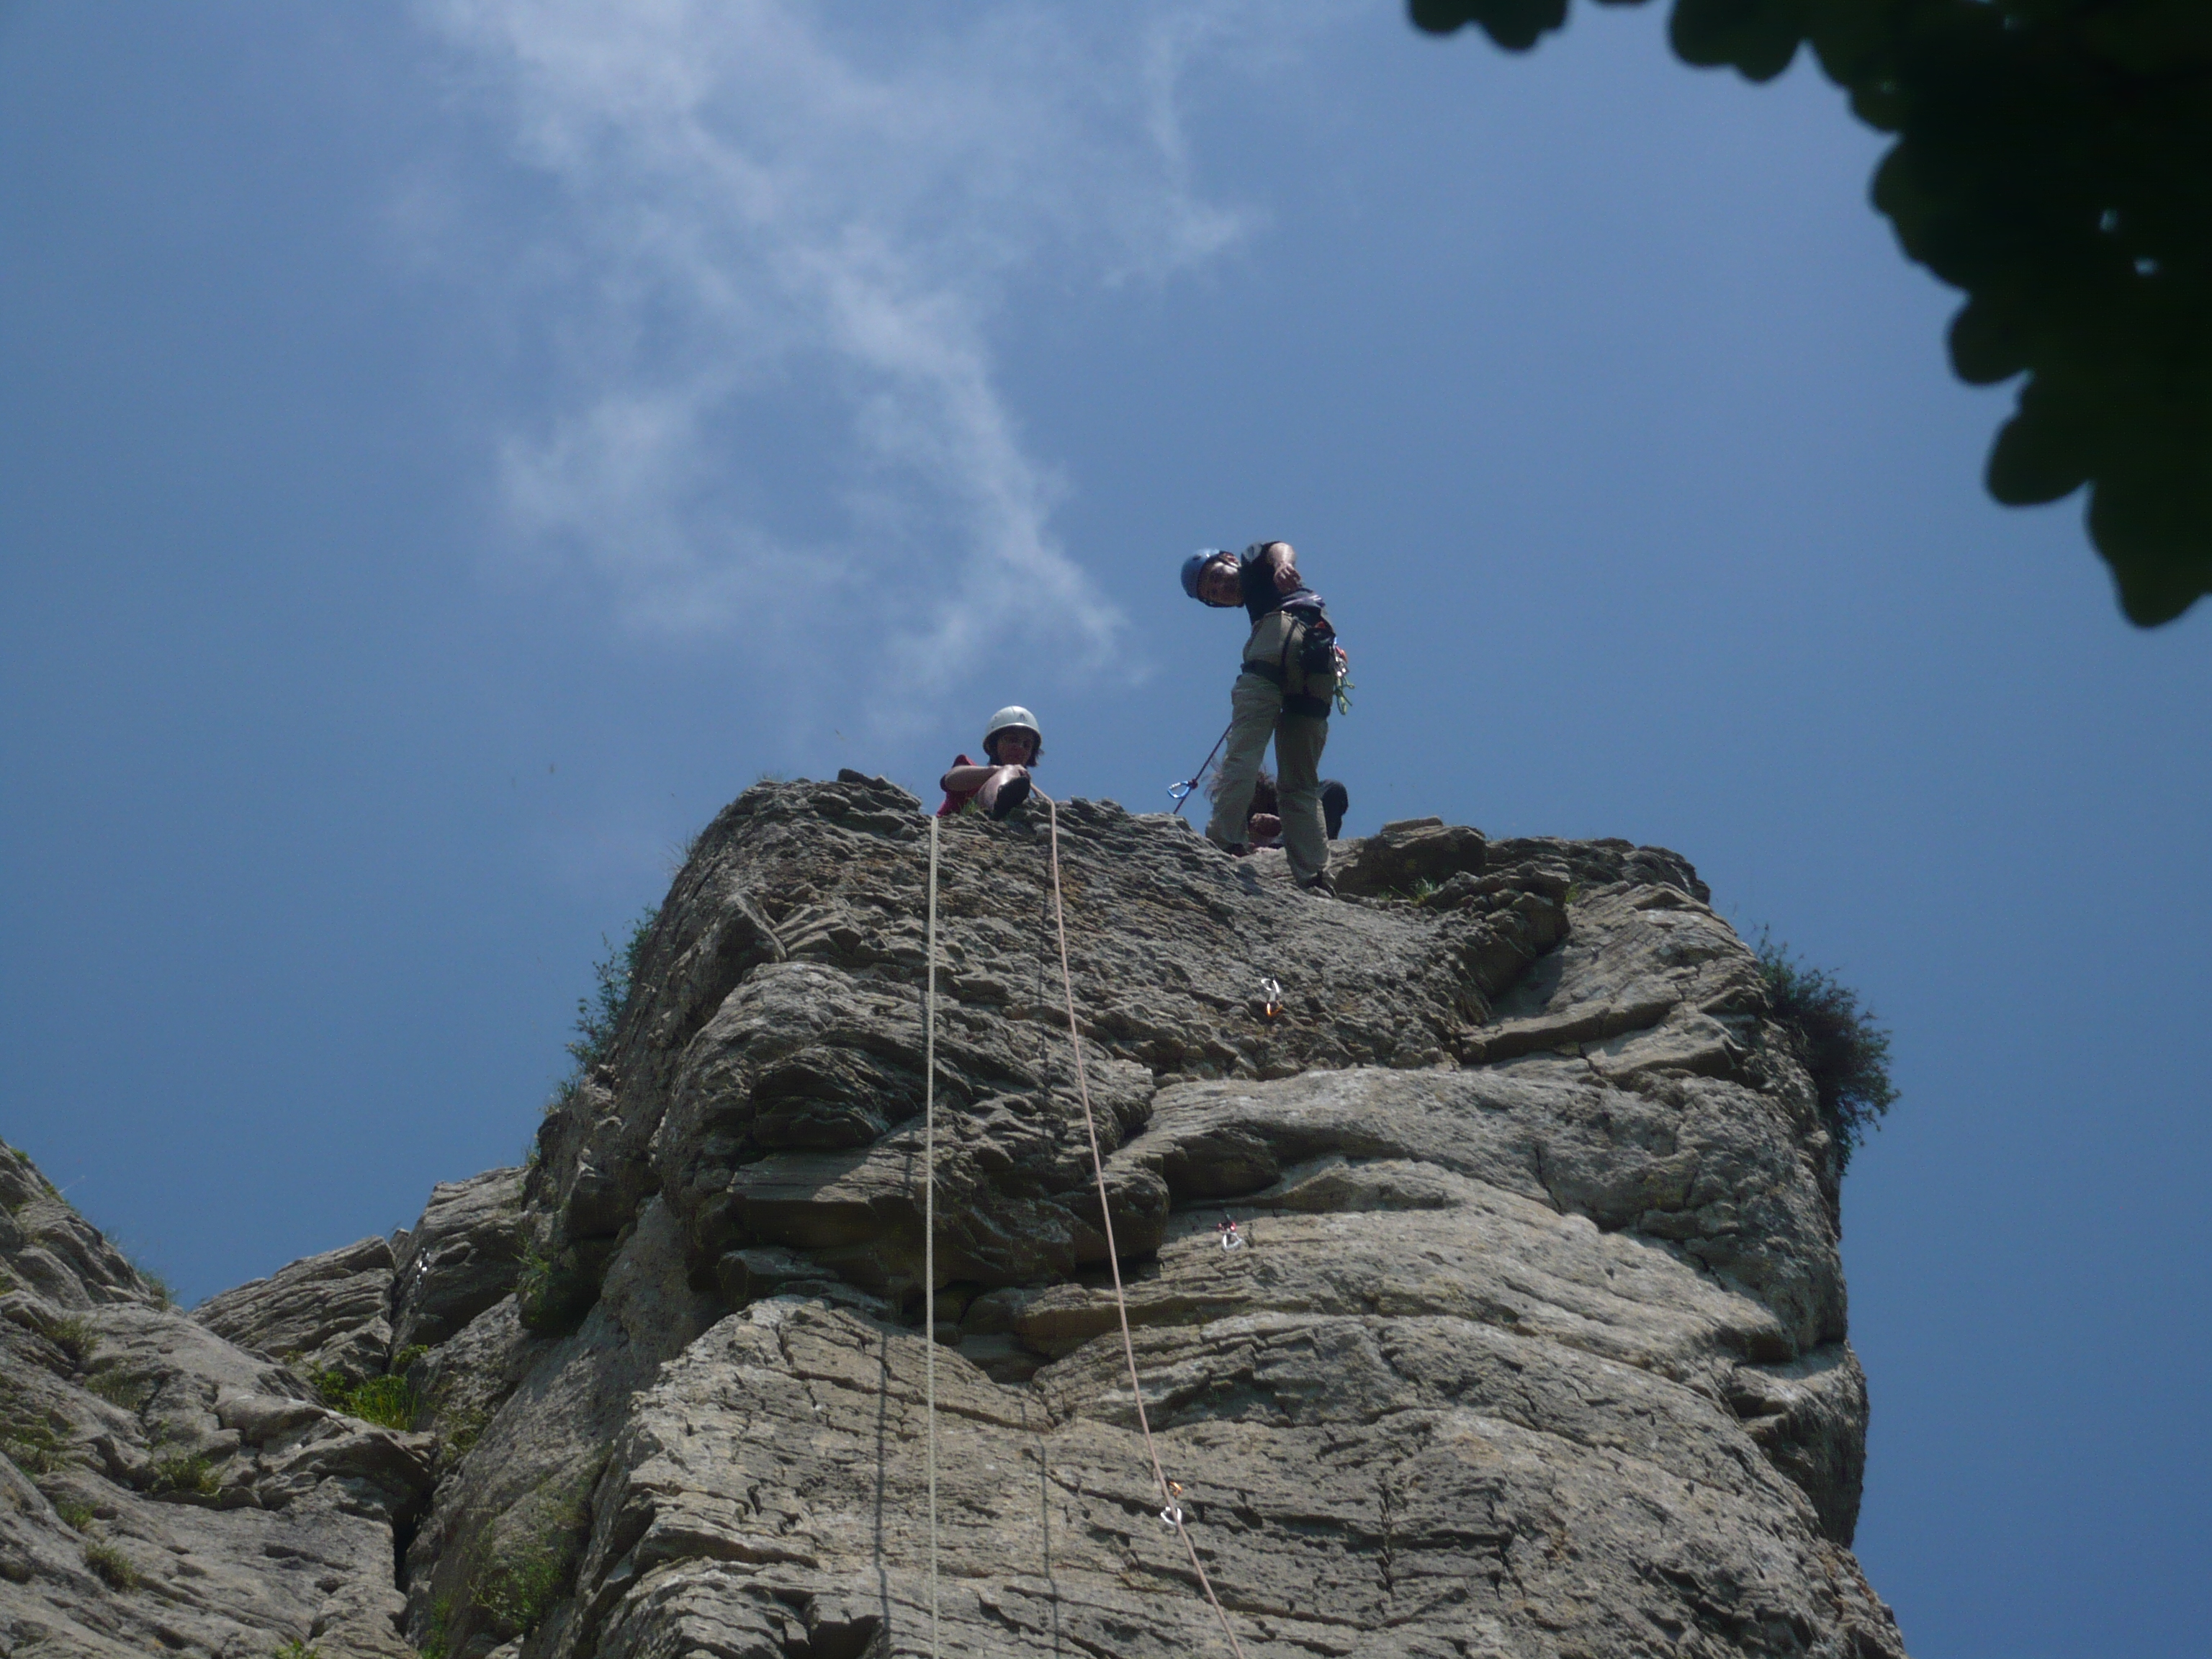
1320	886
1011	793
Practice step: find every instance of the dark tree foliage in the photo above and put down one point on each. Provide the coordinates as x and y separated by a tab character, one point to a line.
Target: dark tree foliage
1844	1050
2053	159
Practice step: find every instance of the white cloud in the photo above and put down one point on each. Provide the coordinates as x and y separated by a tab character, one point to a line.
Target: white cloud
778	234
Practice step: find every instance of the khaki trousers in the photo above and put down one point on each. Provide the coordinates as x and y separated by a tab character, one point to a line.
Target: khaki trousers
1256	706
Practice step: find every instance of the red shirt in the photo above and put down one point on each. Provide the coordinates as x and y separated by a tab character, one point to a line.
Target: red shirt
957	801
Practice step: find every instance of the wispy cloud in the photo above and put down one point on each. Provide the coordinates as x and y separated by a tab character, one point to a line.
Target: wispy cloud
784	243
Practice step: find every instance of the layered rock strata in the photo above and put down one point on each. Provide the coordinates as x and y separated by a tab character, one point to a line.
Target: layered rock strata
1533	1345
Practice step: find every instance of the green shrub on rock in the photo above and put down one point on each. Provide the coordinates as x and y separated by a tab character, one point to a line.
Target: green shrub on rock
554	1292
533	1564
386	1401
113	1566
614	975
27	1440
120	1390
74	1337
1842	1048
183	1475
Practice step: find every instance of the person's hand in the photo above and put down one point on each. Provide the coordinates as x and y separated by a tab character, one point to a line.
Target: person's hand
1287	567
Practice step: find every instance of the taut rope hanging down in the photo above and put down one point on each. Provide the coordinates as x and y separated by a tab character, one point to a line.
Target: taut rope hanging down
1170	1491
929	1220
1171	1512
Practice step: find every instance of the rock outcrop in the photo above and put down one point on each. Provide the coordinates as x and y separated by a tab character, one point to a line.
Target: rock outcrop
327	1315
167	1491
1534	1343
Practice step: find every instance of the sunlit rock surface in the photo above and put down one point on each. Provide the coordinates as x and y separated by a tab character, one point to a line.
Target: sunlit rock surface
1533	1345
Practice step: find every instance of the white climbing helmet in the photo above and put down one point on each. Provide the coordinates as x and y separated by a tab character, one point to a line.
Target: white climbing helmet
1014	718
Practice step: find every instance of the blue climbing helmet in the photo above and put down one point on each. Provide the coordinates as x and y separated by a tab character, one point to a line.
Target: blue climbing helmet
1194	564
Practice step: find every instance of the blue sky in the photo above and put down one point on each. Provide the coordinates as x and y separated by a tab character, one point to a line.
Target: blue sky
447	450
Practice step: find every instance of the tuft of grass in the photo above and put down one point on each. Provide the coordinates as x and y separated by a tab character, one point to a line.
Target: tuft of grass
518	1589
680	852
74	1337
520	1582
386	1401
405	1358
293	1648
78	1517
119	1389
438	1637
187	1475
464	1429
1844	1049
113	1566
27	1439
553	1293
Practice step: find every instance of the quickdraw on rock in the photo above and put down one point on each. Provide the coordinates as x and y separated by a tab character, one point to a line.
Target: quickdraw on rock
1232	1237
1271	994
1172	1516
1181	788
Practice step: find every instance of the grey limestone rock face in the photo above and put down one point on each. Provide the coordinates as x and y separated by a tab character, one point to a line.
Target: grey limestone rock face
1532	1343
462	1257
1535	1345
165	1490
325	1313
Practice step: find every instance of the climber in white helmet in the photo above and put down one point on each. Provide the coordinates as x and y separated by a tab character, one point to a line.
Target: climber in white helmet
1012	743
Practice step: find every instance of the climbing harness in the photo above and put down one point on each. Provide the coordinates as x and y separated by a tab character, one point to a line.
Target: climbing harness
1230	1238
929	1220
1171	1512
1272	1000
1182	788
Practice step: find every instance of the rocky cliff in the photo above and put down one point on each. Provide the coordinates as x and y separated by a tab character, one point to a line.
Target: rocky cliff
1534	1345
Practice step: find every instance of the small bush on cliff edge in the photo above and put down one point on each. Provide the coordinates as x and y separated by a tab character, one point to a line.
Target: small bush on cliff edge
613	976
1846	1051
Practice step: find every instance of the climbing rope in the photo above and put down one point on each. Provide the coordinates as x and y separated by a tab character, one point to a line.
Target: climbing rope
929	1220
1171	1511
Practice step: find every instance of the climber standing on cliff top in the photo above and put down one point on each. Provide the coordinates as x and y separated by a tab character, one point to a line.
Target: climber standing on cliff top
1291	672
